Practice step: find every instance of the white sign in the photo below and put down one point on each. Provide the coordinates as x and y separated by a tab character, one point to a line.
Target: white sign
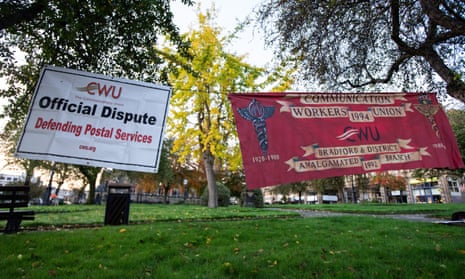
88	119
331	198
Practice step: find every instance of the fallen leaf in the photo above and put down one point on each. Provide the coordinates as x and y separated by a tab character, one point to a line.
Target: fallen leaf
35	264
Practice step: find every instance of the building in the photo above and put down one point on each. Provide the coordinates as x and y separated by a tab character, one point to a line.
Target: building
442	189
6	179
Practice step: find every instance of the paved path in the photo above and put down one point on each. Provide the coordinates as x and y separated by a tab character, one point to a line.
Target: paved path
409	217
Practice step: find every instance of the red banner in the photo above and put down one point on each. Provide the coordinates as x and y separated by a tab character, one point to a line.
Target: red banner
290	137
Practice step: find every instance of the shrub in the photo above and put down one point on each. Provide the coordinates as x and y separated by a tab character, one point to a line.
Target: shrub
259	203
223	195
253	198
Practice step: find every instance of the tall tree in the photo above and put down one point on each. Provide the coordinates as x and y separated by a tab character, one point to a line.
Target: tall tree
389	182
14	12
457	122
363	184
336	183
201	118
167	168
64	172
109	37
90	178
296	187
354	44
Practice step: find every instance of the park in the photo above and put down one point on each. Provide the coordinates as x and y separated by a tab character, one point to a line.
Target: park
189	241
357	100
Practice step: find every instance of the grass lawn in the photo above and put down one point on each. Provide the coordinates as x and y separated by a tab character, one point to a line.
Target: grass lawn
180	241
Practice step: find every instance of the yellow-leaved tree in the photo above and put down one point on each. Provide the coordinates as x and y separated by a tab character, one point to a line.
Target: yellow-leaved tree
201	118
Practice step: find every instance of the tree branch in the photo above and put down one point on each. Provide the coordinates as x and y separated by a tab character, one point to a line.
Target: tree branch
13	13
431	9
455	86
392	70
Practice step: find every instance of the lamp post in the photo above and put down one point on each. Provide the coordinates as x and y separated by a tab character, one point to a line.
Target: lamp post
184	182
353	190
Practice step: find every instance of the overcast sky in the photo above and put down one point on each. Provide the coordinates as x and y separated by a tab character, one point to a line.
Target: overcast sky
229	13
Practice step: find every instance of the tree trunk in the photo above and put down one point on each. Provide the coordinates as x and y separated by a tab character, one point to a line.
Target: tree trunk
29	166
386	197
209	161
57	190
166	190
340	195
91	198
319	196
27	180
91	174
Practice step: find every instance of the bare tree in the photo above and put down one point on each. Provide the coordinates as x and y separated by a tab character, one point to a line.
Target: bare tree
361	43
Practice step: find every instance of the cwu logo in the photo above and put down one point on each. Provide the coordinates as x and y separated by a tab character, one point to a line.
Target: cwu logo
257	114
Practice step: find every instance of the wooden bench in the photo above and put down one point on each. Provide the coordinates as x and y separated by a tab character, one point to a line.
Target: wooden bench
12	197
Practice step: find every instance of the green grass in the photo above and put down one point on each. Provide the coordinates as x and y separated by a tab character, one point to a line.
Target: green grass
179	241
90	215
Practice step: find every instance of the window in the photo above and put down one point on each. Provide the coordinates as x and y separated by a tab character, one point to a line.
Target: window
453	185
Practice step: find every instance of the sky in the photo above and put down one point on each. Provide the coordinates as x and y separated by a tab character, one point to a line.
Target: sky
251	42
229	13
